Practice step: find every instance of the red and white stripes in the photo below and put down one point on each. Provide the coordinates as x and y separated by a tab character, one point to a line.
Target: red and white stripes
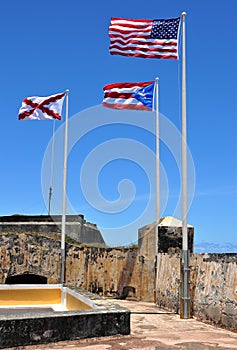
130	37
120	96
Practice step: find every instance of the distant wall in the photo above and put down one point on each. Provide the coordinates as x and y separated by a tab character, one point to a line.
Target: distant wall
77	227
112	272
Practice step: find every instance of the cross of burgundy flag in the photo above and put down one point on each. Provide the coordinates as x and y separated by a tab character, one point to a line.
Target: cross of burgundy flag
42	108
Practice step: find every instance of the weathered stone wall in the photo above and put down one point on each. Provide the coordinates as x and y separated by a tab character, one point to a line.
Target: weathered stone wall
169	241
128	272
29	254
169	238
213	286
168	282
107	271
147	254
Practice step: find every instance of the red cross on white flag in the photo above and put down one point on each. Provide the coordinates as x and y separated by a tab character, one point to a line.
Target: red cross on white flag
42	108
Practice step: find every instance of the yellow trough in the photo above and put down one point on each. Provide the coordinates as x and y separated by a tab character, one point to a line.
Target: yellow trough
55	297
36	314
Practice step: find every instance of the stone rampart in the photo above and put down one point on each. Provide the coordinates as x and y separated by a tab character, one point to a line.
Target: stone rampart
213	287
77	227
129	273
29	254
112	272
115	272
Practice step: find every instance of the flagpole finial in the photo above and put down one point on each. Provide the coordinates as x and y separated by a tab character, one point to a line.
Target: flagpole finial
184	14
156	79
67	92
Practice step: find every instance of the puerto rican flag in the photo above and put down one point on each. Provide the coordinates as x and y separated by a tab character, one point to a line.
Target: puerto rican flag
138	96
42	108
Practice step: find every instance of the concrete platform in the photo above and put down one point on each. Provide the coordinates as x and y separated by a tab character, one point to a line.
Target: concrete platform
154	329
52	313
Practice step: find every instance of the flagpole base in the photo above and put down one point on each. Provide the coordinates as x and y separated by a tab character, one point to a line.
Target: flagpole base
185	309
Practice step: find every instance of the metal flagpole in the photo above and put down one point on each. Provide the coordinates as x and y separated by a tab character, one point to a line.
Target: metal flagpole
52	170
63	228
185	262
157	183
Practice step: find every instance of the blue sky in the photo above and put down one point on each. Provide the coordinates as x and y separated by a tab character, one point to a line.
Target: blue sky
53	46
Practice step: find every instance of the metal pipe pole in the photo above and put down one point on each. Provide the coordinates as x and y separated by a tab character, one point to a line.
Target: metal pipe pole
184	177
157	180
63	228
52	170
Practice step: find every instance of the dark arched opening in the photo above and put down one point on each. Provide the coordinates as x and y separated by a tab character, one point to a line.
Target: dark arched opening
26	279
128	292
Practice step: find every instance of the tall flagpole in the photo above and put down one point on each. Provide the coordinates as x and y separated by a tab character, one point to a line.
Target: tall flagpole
63	228
185	292
157	183
52	170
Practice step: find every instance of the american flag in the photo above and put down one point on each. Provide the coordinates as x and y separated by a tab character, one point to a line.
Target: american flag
138	96
144	38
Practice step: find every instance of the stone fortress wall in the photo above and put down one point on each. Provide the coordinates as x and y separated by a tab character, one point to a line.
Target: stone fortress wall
129	272
77	228
212	285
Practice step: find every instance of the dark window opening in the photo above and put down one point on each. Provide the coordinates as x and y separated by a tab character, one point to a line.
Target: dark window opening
26	279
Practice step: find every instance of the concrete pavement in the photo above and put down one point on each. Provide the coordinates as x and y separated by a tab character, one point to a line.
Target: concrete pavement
154	329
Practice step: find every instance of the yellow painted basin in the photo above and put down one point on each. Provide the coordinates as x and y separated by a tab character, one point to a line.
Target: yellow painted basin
54	296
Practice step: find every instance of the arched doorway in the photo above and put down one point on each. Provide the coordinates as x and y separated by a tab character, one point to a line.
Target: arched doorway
26	279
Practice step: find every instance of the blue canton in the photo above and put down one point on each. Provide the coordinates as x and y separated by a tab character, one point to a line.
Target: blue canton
165	28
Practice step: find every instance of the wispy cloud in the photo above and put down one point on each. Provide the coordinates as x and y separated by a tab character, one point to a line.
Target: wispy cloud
219	191
208	247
